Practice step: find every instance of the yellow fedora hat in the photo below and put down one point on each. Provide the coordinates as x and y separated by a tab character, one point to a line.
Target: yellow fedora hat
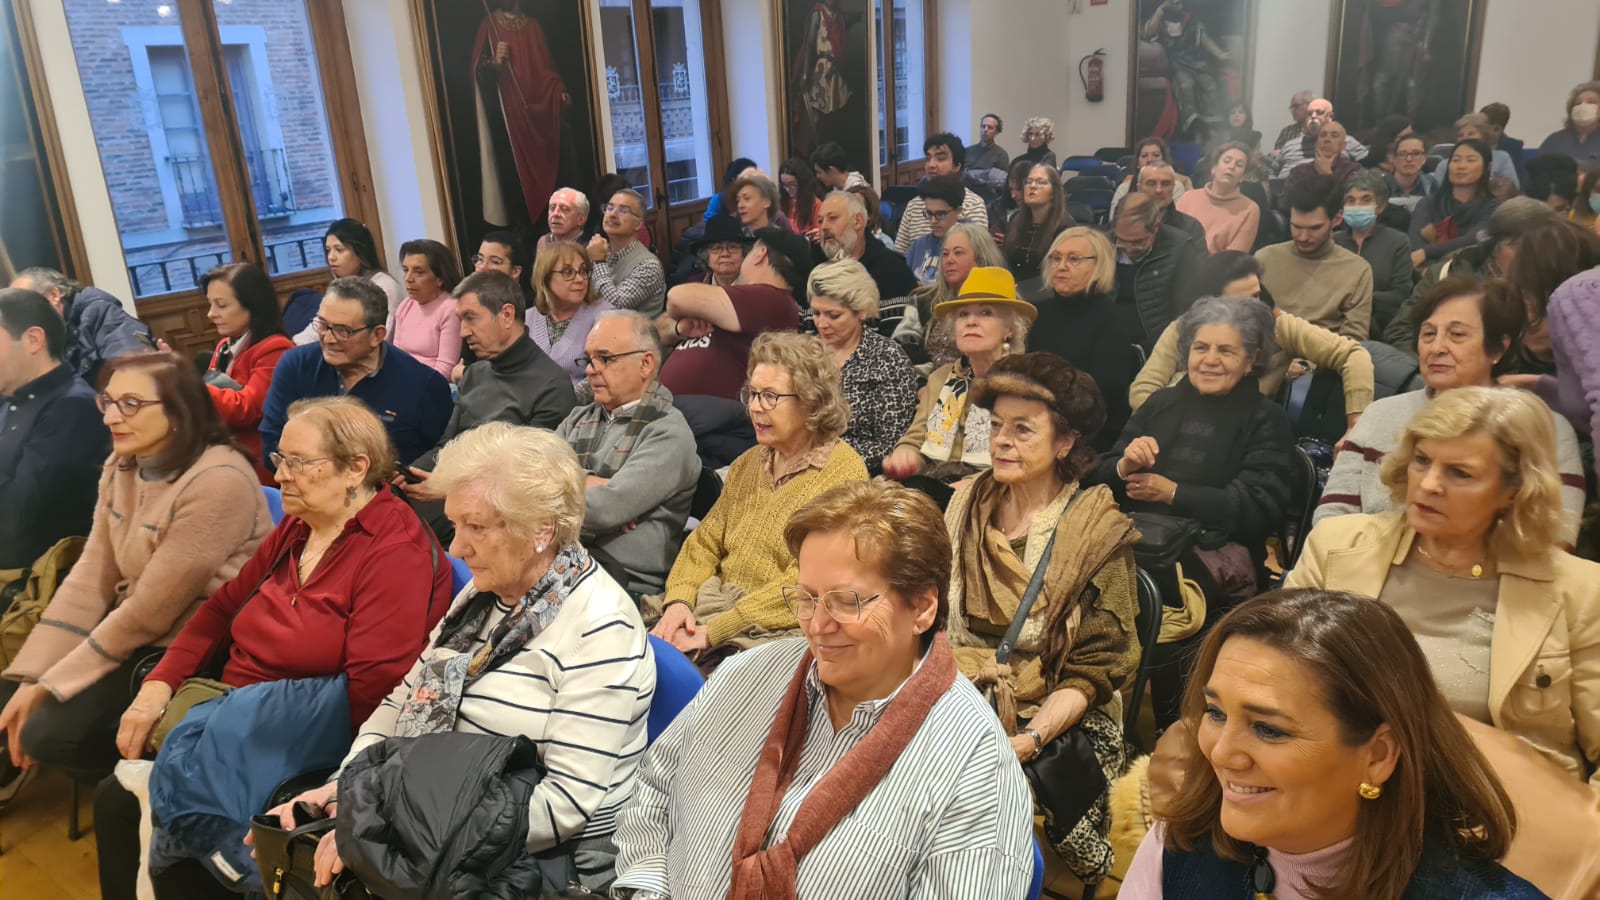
992	285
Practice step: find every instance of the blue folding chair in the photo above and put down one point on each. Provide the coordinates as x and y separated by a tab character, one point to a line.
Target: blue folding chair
677	681
274	503
1079	163
1186	155
1036	886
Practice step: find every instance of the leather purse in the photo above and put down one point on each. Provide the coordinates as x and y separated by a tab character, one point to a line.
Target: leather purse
1163	539
287	859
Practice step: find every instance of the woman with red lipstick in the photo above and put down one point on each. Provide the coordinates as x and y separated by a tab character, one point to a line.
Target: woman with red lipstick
244	307
1471	560
1030	514
1467	333
1322	762
875	375
180	511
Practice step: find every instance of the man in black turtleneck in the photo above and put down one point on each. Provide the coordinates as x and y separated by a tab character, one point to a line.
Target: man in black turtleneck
512	381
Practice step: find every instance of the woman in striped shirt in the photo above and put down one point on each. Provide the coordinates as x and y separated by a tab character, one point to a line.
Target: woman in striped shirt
542	643
852	762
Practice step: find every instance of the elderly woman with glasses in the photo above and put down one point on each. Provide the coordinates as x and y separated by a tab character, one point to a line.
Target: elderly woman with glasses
348	584
566	304
180	510
850	762
725	590
1031	517
542	644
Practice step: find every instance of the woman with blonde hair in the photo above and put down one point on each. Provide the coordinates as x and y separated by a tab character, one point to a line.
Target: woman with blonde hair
542	644
875	376
966	246
566	305
725	590
1471	560
1037	133
1081	321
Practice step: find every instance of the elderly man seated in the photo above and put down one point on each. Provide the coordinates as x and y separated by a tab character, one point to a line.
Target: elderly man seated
638	452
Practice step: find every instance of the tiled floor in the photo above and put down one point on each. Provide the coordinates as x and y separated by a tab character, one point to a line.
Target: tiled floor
37	862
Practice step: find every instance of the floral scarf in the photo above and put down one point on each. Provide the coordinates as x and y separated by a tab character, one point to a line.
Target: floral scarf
458	658
958	430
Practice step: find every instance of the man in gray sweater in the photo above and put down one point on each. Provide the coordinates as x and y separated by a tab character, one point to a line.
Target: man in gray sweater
638	450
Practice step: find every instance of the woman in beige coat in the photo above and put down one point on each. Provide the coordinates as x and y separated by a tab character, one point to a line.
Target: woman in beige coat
1471	560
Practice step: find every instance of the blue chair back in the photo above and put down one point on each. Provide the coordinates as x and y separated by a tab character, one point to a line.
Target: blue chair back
1079	163
1036	886
460	575
1186	155
677	681
274	503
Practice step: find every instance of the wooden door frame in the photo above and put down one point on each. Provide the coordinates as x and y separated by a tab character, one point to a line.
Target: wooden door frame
907	171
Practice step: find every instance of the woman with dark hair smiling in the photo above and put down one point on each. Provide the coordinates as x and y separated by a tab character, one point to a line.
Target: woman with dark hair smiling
180	511
1322	762
244	307
1451	217
352	253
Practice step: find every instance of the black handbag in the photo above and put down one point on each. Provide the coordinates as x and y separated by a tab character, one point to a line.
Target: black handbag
1163	539
1065	776
286	859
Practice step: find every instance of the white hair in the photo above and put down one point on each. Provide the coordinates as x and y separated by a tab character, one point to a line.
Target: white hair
580	200
529	477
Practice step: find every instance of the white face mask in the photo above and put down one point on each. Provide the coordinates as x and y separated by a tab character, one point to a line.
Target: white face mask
1585	114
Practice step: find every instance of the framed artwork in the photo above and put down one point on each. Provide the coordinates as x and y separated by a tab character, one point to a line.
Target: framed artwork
823	48
512	110
1416	58
1191	63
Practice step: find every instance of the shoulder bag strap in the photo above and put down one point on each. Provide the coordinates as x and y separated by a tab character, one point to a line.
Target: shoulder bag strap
1002	653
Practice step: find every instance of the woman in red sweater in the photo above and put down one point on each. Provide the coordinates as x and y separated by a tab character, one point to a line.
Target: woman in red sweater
244	307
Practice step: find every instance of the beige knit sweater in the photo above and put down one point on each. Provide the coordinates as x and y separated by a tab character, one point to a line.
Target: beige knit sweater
155	550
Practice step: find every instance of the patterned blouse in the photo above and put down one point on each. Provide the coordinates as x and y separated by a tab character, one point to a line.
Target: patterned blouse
880	385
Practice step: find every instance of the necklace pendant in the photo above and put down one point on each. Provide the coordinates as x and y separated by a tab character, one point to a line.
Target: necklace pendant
1477	570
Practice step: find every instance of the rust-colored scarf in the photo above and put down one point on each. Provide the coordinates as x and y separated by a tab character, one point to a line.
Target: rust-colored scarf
772	874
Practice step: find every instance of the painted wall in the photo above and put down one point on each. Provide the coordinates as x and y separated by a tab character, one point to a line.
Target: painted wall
1530	62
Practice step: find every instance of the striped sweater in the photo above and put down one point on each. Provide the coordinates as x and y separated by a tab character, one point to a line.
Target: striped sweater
580	691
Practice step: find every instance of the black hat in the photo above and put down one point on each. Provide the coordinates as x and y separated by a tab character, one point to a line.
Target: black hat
793	248
721	228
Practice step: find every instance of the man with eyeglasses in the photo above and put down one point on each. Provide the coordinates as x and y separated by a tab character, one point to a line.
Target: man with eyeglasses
945	156
1153	261
1160	181
569	210
1319	112
352	357
52	439
512	381
638	450
1299	105
626	273
1408	184
941	200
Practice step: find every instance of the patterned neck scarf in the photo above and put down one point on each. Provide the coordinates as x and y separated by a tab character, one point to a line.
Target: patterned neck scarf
958	430
588	430
458	658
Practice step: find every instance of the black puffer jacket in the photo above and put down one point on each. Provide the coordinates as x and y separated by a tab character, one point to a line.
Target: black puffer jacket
445	816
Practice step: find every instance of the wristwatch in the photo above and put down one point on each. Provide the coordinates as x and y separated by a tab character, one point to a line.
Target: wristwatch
1038	742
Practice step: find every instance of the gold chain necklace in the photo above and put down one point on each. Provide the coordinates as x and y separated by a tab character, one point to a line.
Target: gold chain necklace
1477	567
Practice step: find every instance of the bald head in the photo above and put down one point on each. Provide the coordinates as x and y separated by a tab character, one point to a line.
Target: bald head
1319	112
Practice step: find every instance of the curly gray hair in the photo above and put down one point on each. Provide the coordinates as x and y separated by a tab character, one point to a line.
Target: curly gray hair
1250	317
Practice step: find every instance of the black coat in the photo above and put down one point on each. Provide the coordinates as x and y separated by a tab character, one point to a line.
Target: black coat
1158	279
444	816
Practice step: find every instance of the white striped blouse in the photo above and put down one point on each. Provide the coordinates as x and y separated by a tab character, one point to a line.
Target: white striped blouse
581	691
952	819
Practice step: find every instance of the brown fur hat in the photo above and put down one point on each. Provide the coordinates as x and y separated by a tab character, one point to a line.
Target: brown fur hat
1075	402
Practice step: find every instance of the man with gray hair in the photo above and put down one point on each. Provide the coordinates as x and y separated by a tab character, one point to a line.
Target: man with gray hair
98	328
626	274
842	231
1386	250
1160	181
1299	105
638	450
352	357
569	209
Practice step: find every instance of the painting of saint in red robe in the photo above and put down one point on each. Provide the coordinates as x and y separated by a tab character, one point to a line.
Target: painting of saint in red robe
825	42
513	84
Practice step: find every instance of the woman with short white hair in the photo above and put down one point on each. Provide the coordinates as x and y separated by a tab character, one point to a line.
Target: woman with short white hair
875	375
542	643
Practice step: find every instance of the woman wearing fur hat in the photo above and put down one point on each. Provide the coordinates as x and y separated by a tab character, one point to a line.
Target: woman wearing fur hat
1028	514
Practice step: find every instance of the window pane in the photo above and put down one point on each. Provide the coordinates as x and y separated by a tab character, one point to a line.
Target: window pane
910	98
276	87
685	114
877	54
146	121
623	97
30	232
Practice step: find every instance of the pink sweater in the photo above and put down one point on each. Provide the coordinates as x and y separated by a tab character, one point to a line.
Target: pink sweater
429	332
1230	224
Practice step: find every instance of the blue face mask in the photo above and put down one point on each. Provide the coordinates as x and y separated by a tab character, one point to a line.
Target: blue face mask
1594	203
1360	218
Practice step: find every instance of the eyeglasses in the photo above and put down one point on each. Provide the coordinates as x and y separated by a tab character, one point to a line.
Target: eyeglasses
620	210
1071	259
1038	182
726	247
1411	154
481	260
602	360
294	465
127	404
571	274
339	332
843	606
940	214
769	399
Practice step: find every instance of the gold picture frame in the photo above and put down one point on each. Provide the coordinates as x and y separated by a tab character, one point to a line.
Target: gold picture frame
1236	22
1436	86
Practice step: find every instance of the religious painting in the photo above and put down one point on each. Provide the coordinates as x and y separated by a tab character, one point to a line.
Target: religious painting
1191	63
1413	58
827	81
515	116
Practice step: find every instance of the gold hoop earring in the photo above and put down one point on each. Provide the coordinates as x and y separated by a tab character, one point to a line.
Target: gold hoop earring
1370	791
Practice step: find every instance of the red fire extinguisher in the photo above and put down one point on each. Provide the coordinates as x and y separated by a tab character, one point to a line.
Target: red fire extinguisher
1092	72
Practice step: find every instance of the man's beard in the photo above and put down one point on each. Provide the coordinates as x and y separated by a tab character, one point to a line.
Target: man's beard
841	247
